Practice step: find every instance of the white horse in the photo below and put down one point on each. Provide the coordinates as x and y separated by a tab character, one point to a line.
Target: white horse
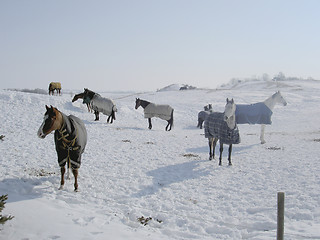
259	113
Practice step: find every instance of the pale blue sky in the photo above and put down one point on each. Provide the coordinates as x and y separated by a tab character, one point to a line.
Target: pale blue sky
147	44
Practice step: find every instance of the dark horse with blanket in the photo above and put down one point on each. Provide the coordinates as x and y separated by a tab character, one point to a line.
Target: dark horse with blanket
70	138
151	110
222	127
98	104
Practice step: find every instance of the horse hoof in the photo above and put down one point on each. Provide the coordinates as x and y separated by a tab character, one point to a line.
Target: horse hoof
60	188
76	190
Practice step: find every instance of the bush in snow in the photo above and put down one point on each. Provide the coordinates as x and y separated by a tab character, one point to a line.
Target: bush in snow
3	219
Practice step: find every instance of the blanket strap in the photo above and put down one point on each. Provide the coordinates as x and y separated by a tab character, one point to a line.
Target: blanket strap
68	145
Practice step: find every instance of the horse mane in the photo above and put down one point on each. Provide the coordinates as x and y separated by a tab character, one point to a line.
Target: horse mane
88	93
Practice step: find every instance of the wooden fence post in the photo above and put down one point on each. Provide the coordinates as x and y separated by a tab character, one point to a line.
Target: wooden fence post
280	219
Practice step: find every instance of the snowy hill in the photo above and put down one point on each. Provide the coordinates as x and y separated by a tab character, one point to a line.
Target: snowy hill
278	82
137	183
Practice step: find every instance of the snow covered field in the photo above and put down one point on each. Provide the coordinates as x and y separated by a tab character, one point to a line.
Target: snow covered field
137	183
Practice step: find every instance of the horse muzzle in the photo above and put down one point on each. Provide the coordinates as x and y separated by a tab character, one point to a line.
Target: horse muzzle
41	134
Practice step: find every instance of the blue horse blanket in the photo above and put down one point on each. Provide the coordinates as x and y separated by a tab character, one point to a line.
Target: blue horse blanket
257	113
216	127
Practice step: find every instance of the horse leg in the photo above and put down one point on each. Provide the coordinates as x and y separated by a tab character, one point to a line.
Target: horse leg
112	116
229	157
170	122
211	142
109	119
150	125
262	134
221	150
63	170
97	115
210	148
75	174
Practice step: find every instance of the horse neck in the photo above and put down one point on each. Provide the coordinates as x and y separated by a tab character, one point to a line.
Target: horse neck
144	103
231	122
60	122
77	96
88	93
271	102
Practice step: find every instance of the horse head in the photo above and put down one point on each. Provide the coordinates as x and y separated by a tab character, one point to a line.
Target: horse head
52	121
138	103
278	98
229	113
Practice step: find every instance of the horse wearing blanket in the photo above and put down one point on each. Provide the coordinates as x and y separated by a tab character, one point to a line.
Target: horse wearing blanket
70	138
54	86
98	104
259	113
222	127
202	115
151	110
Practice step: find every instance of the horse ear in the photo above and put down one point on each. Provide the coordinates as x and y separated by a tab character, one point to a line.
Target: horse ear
227	100
232	101
47	107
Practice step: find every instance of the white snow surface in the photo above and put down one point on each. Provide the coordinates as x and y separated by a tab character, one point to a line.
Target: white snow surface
130	172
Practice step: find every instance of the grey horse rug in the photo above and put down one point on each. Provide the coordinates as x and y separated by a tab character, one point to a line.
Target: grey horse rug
103	105
257	113
216	127
70	141
161	111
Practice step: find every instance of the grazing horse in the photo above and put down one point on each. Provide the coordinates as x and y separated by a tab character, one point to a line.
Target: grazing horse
55	86
151	110
70	138
98	104
202	115
222	127
259	113
81	95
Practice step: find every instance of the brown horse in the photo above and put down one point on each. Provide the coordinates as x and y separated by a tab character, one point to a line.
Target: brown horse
70	138
55	86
